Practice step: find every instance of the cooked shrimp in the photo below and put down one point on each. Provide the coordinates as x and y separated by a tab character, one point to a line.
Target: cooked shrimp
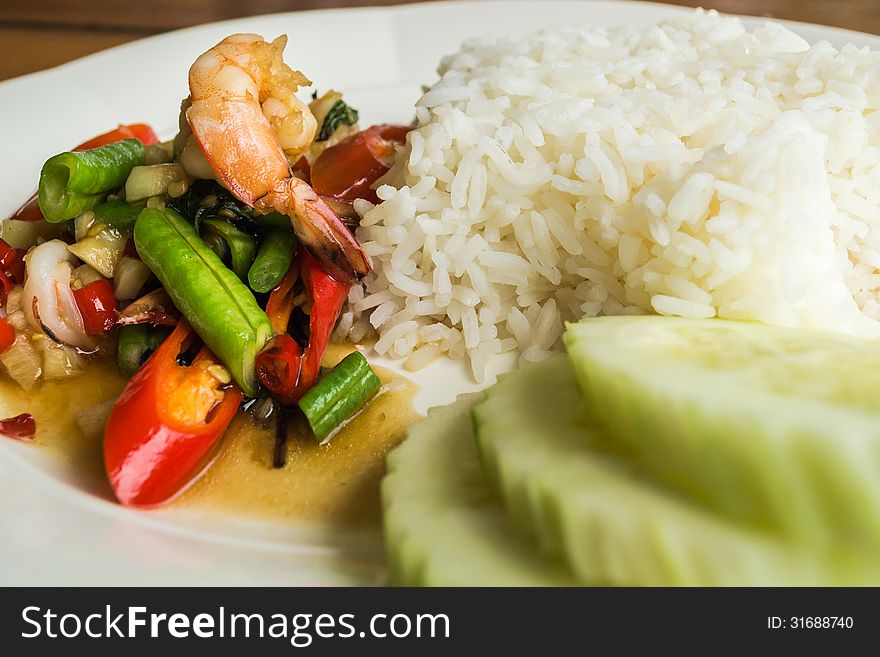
48	301
247	120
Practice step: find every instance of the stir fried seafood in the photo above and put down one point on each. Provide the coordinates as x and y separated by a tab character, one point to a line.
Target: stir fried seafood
212	266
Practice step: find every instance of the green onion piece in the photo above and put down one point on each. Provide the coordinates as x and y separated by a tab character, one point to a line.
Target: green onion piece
242	246
135	345
120	215
71	183
339	395
273	259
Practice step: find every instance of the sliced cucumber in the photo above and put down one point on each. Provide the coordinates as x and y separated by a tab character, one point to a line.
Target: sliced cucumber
777	427
610	523
443	527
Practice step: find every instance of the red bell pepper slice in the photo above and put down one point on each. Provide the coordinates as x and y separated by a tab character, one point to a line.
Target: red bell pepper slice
347	170
280	367
7	335
166	423
97	305
30	211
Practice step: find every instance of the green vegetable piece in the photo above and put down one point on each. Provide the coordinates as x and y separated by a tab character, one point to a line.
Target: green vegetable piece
340	113
120	215
774	426
135	345
73	182
443	526
272	220
220	308
339	395
610	522
241	245
273	259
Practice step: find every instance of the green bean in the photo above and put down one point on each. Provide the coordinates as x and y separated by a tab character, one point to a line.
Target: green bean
120	215
73	182
272	220
241	245
135	345
339	395
220	308
273	259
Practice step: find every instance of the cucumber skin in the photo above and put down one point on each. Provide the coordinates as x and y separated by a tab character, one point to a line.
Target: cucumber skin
621	528
442	525
791	474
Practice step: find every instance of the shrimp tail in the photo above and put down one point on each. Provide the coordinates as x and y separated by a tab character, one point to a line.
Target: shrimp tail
318	228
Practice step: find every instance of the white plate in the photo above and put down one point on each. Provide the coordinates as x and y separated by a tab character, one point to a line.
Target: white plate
52	530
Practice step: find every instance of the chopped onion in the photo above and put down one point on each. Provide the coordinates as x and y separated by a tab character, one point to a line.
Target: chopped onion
146	181
60	362
101	252
129	278
82	224
22	362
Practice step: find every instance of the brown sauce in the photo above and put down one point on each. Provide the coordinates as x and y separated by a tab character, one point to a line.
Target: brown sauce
335	484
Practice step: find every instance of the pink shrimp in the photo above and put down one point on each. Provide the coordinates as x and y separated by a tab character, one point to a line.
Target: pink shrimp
247	121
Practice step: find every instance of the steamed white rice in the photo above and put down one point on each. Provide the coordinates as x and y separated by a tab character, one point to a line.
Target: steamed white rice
694	168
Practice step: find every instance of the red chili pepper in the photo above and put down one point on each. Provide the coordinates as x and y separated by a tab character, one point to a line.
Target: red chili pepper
280	306
30	211
286	373
7	335
5	287
278	367
165	423
97	305
21	427
347	170
11	263
327	296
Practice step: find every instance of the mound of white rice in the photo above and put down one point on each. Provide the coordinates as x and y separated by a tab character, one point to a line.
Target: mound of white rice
694	168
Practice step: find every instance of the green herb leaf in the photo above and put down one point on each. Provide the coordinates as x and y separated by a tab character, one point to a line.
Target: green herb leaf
338	114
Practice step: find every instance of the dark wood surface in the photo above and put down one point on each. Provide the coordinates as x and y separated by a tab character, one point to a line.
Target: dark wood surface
37	34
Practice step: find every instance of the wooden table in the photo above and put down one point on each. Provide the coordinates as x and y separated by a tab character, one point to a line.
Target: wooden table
37	34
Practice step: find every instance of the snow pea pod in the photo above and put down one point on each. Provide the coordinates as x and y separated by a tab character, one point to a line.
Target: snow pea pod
73	182
273	259
220	308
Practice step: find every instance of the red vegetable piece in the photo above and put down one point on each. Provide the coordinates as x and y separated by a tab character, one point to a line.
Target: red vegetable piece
278	367
166	423
20	427
97	305
7	335
347	170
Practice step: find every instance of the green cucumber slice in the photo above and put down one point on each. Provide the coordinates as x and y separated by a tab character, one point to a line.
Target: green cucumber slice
608	522
443	526
777	427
